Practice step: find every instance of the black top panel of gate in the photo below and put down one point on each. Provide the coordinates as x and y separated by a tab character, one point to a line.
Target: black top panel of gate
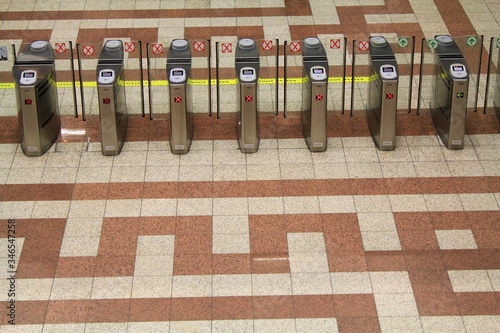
313	50
246	51
447	48
112	52
36	52
380	49
179	52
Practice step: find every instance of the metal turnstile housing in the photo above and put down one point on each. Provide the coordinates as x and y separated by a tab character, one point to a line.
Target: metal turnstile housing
497	89
314	94
451	92
36	94
180	99
247	63
382	110
111	96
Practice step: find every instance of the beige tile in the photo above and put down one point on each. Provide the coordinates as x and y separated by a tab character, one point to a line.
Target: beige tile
360	155
231	243
128	174
232	285
456	239
306	242
337	204
123	208
195	206
228	326
311	284
331	171
301	205
397	324
295	156
93	175
263	156
390	282
408	203
372	203
271	284
64	328
190	326
87	209
478	324
112	287
442	324
351	283
376	222
308	262
396	305
494	275
152	287
230	224
162	158
263	172
479	201
316	325
155	245
71	288
230	172
297	171
381	241
195	173
153	265
443	202
106	327
364	170
158	207
432	169
79	246
63	159
470	281
33	289
17	209
228	157
274	325
398	170
265	205
150	327
23	328
230	206
51	209
25	176
192	286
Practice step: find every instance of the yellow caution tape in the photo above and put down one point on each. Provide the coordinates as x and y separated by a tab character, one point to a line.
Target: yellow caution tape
204	82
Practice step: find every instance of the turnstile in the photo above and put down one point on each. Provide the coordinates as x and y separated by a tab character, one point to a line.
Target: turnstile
36	92
111	96
497	89
247	65
314	94
451	90
181	116
383	91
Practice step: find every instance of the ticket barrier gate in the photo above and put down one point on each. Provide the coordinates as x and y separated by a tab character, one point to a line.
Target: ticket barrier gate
383	89
497	89
111	96
36	94
181	116
314	94
247	63
451	92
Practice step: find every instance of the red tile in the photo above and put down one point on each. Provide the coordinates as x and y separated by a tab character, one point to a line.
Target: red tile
160	190
75	267
487	239
424	260
430	281
385	261
413	221
68	311
346	262
194	189
273	307
355	305
358	325
195	243
30	312
462	259
157	225
437	304
114	265
268	234
108	311
192	264
478	304
304	223
232	308
191	309
418	240
36	267
188	225
231	264
267	263
449	220
125	190
314	306
149	309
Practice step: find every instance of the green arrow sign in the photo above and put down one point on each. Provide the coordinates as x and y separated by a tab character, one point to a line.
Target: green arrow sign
498	43
403	41
471	41
432	43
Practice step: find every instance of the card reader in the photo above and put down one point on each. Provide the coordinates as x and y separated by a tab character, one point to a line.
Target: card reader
458	71
177	75
318	73
106	76
28	77
388	72
247	74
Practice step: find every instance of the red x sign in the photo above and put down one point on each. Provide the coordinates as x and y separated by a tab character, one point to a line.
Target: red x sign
319	97
178	99
267	44
129	46
363	45
248	98
60	47
28	102
227	47
199	46
335	43
389	96
88	50
106	101
295	46
157	48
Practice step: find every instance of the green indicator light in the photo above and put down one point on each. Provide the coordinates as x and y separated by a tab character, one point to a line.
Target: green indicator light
460	95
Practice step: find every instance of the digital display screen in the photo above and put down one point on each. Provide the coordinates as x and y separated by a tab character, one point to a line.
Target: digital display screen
248	71
177	72
457	68
387	69
29	75
106	74
318	71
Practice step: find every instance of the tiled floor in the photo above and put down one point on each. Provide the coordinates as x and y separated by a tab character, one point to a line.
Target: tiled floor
284	240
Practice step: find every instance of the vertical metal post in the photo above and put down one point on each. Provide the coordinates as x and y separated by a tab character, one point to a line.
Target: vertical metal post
352	75
150	94
217	78
344	61
410	91
142	80
488	74
479	72
420	75
14	52
277	75
209	78
82	97
285	63
73	78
